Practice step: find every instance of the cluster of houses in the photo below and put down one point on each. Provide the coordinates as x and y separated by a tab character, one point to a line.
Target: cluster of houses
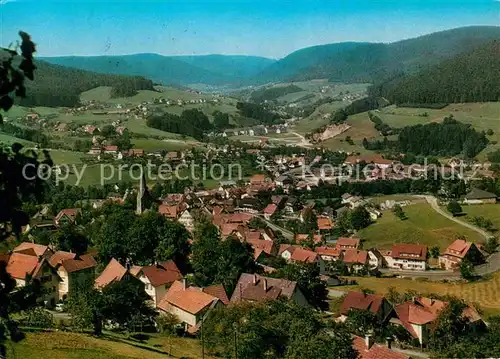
259	130
415	316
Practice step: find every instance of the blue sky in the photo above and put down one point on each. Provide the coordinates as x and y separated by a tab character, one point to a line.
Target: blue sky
271	28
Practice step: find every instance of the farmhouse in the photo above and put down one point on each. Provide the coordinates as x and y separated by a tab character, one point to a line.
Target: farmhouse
66	216
256	288
407	257
457	252
157	278
188	304
477	196
344	243
418	315
376	304
114	272
329	253
72	269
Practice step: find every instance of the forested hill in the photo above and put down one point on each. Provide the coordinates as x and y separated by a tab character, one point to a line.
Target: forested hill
369	62
171	70
56	86
469	77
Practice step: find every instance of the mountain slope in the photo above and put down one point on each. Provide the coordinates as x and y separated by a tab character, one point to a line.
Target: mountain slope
178	70
368	62
55	85
230	66
470	77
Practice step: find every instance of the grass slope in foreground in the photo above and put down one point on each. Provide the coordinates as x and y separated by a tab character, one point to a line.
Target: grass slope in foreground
423	226
63	345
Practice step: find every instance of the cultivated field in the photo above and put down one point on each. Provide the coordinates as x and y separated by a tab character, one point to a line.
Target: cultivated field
485	293
64	345
423	226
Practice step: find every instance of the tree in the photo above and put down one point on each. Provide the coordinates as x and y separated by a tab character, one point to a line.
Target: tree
398	212
277	329
205	251
234	258
309	281
126	300
68	238
491	245
450	325
108	131
221	120
359	218
434	252
467	269
454	208
362	322
15	188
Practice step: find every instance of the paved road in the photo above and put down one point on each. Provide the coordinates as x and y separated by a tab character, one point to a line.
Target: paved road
286	232
434	204
429	274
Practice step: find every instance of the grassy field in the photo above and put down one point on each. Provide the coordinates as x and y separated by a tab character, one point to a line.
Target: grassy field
150	144
9	140
488	211
485	293
423	226
63	345
361	128
66	157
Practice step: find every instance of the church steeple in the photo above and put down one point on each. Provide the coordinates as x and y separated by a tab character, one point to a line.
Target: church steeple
141	193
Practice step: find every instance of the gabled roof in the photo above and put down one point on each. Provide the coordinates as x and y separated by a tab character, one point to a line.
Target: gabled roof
258	288
262	245
328	251
376	351
413	251
347	242
20	265
37	249
270	209
71	213
325	223
191	300
161	273
71	263
459	248
299	254
354	256
114	271
316	238
476	193
361	301
218	291
169	211
258	178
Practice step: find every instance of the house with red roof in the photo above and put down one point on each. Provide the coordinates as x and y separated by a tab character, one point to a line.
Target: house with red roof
269	211
157	278
262	247
110	150
355	259
72	269
418	315
329	253
66	216
114	272
298	254
315	238
325	224
34	249
25	267
344	243
457	252
367	349
189	304
407	256
256	288
376	304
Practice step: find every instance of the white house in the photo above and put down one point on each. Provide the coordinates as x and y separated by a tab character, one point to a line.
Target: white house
407	257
